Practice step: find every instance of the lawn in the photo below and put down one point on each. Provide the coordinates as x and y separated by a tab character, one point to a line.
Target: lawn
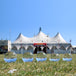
46	68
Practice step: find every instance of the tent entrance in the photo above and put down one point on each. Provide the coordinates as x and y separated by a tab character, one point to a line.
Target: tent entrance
40	47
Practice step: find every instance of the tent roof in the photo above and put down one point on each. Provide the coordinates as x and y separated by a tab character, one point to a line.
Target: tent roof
40	38
59	38
21	39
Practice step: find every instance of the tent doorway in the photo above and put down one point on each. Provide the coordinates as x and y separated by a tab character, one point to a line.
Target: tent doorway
38	47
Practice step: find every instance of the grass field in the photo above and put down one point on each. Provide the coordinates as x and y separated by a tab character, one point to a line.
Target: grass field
35	68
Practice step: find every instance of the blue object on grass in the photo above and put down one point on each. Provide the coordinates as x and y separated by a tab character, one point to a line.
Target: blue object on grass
10	60
54	59
41	59
67	59
27	59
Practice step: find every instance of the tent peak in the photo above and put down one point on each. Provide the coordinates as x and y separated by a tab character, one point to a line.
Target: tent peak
41	34
20	35
58	34
59	38
40	29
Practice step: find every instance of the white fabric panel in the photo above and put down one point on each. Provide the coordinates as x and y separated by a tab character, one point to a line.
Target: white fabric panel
40	38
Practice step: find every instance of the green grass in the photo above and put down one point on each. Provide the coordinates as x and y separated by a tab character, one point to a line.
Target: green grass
9	55
41	55
27	55
46	68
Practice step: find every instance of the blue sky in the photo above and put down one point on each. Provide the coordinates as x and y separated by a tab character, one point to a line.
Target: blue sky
26	16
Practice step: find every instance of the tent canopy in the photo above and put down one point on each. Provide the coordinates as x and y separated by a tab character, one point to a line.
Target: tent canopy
40	38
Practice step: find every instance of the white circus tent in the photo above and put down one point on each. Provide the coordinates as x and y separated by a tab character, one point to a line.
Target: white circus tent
41	37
